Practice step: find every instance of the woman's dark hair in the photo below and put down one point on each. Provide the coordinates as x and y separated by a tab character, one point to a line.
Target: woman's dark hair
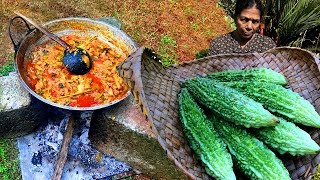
246	4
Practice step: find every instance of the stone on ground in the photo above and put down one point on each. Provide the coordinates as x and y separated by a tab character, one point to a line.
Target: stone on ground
20	113
123	132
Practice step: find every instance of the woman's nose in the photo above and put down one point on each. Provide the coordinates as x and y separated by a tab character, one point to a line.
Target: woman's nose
249	26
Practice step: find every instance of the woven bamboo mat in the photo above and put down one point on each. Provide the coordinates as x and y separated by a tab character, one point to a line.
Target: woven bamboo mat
155	89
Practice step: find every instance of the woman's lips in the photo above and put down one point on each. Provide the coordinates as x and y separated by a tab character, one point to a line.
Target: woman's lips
248	34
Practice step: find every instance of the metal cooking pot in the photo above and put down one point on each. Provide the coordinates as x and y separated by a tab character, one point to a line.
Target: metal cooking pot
65	26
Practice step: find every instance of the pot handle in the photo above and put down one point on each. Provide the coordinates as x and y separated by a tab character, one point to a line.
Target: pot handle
16	43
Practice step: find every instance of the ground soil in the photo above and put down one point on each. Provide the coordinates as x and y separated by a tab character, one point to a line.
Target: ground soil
192	24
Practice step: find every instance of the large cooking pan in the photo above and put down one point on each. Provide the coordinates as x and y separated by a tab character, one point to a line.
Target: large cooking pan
24	44
64	26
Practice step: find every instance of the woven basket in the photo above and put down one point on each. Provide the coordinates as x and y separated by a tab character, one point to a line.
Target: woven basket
155	88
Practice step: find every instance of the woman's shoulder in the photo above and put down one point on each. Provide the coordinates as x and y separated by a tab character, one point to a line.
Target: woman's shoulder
223	37
264	39
222	44
223	40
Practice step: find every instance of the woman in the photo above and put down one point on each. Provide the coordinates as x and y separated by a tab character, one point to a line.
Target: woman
244	39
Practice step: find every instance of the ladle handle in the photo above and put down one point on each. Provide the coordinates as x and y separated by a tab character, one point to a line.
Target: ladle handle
46	32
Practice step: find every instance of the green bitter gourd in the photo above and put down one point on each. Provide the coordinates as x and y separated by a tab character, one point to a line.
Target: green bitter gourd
280	100
249	75
203	139
229	103
251	156
286	137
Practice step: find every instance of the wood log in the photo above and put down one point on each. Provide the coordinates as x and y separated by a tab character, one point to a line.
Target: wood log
62	158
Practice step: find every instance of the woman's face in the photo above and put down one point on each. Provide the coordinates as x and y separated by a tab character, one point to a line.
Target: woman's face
248	22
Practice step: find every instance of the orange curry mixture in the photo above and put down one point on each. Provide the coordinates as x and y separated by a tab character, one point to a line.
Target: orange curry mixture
49	77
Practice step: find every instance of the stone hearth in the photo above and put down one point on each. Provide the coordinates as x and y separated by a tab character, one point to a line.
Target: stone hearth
39	151
113	142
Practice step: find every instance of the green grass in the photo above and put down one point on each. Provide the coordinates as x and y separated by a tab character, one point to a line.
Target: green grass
9	154
167	51
189	11
9	160
6	69
316	176
136	35
126	178
195	26
202	53
231	23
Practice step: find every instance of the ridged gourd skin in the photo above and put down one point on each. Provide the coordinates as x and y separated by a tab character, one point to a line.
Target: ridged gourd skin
251	156
280	100
249	75
203	139
286	137
229	103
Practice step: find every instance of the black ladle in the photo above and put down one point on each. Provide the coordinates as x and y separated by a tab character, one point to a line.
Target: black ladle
76	60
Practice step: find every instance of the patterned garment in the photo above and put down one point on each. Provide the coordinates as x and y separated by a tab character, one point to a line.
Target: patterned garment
227	44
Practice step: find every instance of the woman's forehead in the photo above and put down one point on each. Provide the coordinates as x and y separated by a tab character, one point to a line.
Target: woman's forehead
252	13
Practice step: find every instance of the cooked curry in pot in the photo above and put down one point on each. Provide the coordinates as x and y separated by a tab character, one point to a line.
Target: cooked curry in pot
48	76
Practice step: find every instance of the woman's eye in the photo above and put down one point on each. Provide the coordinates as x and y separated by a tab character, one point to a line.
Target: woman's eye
244	19
255	22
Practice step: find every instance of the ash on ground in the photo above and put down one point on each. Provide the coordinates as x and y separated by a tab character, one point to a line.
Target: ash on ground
39	151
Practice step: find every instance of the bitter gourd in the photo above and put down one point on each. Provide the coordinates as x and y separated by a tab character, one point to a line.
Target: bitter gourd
229	103
286	137
203	139
249	75
280	100
251	156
